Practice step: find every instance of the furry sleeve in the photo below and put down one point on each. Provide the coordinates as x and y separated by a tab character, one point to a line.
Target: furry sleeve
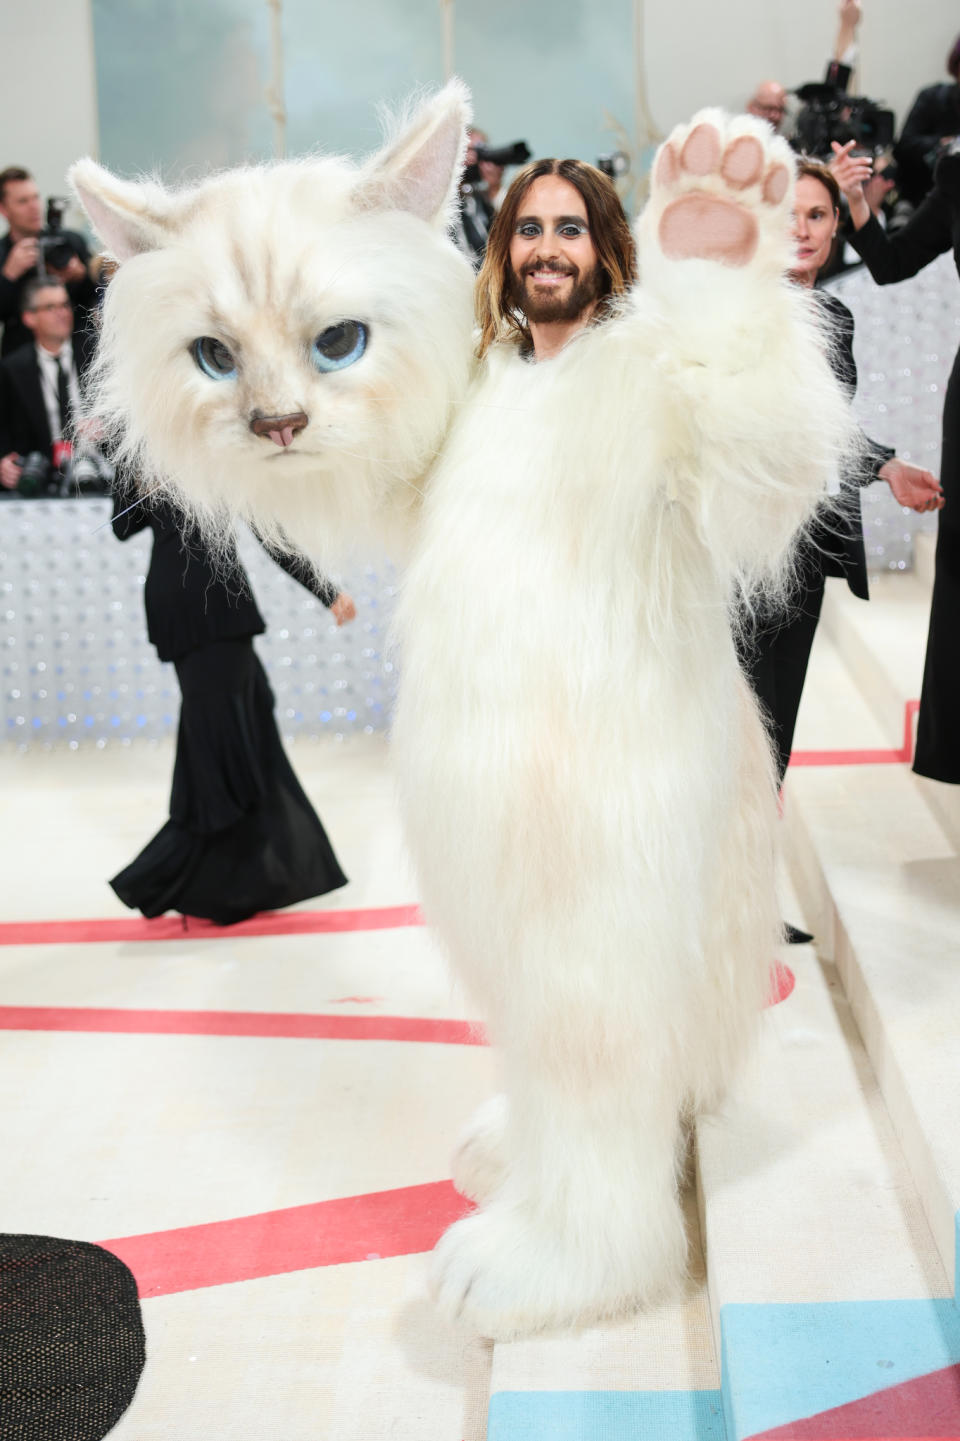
755	425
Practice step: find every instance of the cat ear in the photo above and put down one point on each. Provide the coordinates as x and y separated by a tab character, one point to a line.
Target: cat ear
129	216
419	169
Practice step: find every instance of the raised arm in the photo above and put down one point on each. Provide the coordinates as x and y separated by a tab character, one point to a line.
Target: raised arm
337	601
896	257
758	424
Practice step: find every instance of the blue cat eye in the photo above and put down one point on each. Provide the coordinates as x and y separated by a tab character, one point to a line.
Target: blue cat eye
213	358
339	345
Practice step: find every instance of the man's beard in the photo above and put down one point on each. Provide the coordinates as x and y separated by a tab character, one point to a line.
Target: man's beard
543	307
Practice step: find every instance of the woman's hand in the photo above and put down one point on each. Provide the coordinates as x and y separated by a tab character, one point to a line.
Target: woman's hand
851	172
912	485
343	609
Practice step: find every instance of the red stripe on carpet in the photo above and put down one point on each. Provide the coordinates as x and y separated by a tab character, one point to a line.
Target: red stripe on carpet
782	983
190	928
269	1024
328	1233
864	757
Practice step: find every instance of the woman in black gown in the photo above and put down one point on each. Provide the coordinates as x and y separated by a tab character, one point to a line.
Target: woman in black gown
775	648
242	836
933	230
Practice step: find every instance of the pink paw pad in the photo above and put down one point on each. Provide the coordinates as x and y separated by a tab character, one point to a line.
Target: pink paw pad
701	151
702	225
743	162
668	166
776	184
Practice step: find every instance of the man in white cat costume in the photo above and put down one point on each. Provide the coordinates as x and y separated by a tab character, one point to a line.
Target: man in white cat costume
586	784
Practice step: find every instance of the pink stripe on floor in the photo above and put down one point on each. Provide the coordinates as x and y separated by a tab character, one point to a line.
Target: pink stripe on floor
190	928
268	1024
864	757
272	1025
403	1222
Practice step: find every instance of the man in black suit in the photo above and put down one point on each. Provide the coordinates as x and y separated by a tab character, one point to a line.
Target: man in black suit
20	261
39	383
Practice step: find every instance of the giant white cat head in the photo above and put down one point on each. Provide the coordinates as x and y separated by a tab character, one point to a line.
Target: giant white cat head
285	343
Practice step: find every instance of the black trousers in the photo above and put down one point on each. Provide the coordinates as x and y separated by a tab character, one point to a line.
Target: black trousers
774	652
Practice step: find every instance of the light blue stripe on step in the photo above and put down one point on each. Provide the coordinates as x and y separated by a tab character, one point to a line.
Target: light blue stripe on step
605	1416
785	1362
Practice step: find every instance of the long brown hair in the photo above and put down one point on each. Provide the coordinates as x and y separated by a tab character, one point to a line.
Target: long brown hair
609	230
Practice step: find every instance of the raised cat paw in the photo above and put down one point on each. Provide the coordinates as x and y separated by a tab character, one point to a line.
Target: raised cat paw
719	187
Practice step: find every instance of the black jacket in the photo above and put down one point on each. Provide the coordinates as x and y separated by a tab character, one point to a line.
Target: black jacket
931	231
935	113
23	416
191	599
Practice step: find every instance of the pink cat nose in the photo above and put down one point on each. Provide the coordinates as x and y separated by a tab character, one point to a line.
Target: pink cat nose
279	428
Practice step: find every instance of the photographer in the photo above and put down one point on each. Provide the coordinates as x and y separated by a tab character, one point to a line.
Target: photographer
827	111
39	392
31	249
480	192
933	122
830	113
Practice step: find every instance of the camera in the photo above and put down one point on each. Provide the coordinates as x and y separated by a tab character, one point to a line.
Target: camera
516	154
56	248
830	114
70	473
88	473
615	164
37	475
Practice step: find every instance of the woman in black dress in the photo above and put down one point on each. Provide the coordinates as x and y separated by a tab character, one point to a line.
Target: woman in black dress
934	229
242	836
776	647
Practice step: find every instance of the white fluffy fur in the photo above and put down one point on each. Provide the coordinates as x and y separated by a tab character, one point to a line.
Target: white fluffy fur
585	780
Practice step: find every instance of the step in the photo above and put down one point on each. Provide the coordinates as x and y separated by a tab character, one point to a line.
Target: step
944	801
867	853
875	856
826	1285
835	724
653	1375
834	716
882	642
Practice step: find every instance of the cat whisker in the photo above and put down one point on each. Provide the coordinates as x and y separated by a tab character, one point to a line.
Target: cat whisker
484	405
137	502
395	474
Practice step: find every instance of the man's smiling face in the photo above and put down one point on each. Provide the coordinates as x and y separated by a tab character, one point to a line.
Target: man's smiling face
554	272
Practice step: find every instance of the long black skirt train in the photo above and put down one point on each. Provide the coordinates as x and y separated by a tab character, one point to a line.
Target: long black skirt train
242	836
938	727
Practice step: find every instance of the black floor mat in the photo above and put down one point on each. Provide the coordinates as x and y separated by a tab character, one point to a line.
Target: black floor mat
71	1339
